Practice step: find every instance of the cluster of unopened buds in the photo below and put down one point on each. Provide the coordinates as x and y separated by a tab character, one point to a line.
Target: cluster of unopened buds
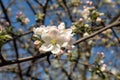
89	2
22	18
99	67
103	67
89	12
100	60
100	57
54	39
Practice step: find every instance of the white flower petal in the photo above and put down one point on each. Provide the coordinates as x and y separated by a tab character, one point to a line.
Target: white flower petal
68	31
54	34
60	39
70	44
56	49
46	38
64	44
46	47
39	30
61	26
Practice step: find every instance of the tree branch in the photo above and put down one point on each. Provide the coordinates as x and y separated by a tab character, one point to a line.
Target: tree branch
20	60
114	24
31	7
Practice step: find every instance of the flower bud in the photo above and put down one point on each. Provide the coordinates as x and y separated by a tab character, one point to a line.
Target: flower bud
85	34
98	19
103	67
81	19
90	3
37	43
87	2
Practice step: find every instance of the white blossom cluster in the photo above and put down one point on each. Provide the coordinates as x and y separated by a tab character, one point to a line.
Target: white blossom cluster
22	18
100	60
54	38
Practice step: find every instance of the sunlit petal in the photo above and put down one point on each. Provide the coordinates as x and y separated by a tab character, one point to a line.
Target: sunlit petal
46	47
46	38
64	44
61	26
56	49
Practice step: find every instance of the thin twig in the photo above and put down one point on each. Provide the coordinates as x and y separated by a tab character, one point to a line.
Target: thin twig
20	60
114	24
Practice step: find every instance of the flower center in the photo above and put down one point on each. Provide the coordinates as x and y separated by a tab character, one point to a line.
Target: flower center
53	41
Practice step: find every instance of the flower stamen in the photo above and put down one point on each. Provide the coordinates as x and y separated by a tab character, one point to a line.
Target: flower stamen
53	41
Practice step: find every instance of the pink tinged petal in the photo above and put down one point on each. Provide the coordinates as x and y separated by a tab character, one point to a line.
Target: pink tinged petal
54	34
65	38
69	31
61	26
20	12
46	47
70	44
40	30
61	39
65	44
61	52
37	30
70	47
56	49
46	38
71	41
37	42
54	31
